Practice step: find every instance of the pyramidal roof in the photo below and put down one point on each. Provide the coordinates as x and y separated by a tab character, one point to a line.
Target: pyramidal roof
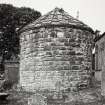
56	17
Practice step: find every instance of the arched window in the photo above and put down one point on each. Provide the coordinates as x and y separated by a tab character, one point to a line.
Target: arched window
96	49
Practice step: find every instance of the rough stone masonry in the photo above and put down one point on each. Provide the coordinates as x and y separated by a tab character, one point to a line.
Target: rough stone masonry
55	52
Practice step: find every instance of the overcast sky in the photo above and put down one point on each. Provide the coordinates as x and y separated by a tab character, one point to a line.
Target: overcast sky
91	12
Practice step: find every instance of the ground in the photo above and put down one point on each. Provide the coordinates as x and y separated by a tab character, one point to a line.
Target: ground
88	96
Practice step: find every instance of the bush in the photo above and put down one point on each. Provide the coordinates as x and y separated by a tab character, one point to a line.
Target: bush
6	85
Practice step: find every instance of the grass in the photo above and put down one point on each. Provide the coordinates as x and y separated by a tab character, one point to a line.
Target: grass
89	96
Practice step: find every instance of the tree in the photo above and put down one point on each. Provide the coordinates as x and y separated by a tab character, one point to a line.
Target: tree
26	15
11	19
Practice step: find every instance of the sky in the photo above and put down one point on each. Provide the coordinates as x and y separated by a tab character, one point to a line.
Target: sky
91	12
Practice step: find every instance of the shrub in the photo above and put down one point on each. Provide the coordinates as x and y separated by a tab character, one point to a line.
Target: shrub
6	85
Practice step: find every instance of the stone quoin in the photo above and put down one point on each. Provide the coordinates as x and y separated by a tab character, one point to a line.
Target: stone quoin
55	52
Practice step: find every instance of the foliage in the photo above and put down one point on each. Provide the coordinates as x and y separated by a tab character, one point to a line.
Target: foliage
11	19
6	85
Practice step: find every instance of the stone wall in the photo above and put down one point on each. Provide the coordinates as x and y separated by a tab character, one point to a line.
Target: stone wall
98	75
12	71
54	58
100	61
99	54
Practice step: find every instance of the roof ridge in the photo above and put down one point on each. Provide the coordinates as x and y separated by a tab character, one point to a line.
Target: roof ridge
63	17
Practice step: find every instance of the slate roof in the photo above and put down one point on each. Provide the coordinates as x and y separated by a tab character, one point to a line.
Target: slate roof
56	17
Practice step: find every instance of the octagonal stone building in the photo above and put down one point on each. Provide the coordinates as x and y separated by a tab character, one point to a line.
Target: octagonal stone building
55	52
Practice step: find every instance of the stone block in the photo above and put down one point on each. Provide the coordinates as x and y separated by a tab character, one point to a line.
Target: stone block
46	59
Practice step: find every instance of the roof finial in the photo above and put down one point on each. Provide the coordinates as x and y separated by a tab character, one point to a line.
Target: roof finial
77	15
61	10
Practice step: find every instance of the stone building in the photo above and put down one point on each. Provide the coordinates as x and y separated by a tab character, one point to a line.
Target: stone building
9	71
100	60
12	71
55	52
